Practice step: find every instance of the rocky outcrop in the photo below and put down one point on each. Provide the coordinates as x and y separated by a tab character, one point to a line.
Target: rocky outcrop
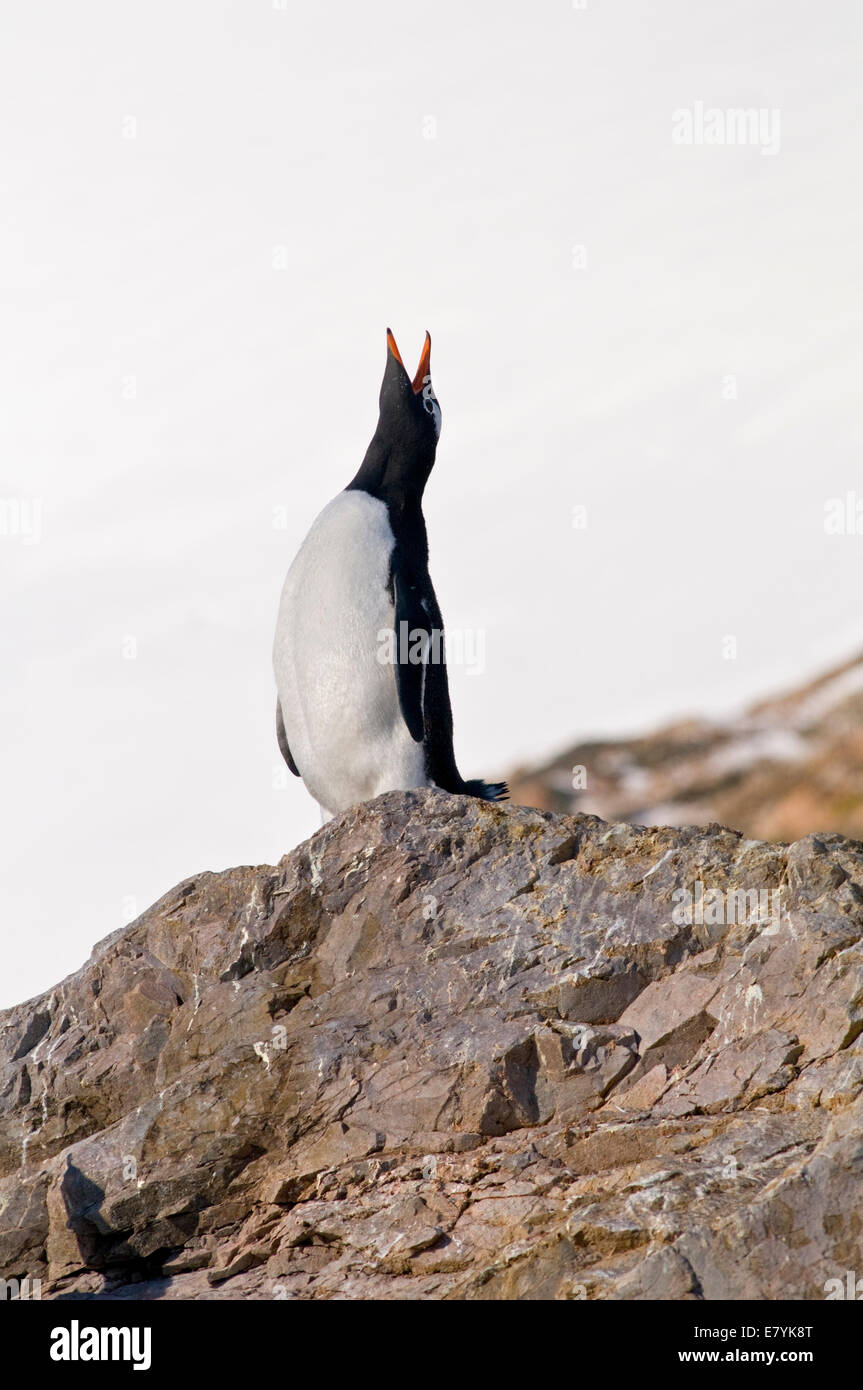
787	766
449	1049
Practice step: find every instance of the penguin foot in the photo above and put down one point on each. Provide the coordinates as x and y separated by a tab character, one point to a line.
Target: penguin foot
487	791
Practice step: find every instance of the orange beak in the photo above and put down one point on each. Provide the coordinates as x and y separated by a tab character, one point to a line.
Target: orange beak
424	368
391	344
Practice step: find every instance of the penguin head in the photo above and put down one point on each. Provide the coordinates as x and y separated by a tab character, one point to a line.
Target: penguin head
410	403
409	424
401	454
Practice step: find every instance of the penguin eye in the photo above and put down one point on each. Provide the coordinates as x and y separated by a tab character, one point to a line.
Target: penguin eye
434	411
430	404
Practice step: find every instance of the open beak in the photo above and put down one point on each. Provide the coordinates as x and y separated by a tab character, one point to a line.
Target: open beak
424	368
391	344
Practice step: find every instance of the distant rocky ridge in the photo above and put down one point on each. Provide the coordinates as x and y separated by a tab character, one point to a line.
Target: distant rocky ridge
454	1050
791	765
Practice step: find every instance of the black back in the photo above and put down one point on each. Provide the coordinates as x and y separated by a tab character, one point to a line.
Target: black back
401	454
395	470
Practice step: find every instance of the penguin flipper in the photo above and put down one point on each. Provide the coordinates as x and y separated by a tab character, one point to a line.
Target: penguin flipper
283	740
410	675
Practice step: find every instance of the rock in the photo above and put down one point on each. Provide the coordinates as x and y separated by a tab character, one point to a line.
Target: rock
644	1092
664	1275
783	766
671	1017
454	1050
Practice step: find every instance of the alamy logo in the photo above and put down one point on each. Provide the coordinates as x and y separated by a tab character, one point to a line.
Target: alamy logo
713	125
725	907
21	517
76	1343
417	646
17	1290
843	516
850	1287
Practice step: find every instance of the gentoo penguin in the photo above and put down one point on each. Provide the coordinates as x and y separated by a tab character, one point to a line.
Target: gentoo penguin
363	700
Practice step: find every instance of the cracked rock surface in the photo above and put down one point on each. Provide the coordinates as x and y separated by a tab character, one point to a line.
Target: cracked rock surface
451	1049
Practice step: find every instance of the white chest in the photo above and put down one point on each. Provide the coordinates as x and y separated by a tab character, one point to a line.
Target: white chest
338	697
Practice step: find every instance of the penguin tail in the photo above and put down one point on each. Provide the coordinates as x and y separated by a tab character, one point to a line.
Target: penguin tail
487	791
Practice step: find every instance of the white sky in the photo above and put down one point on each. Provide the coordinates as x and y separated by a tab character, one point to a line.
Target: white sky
255	387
